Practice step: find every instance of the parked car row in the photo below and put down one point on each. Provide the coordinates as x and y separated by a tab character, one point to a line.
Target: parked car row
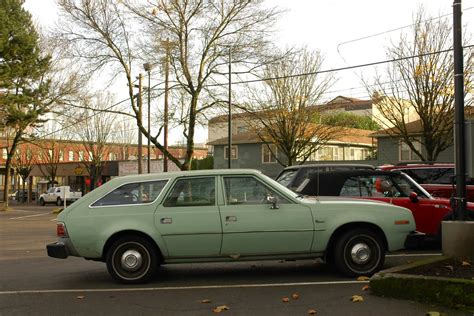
392	187
135	223
22	195
350	215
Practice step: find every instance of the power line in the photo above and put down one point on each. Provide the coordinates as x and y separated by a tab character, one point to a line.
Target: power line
395	29
275	78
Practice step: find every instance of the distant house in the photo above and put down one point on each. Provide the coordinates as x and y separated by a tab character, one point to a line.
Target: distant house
249	151
392	150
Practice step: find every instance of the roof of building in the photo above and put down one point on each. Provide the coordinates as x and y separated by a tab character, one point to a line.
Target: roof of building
415	127
350	136
338	103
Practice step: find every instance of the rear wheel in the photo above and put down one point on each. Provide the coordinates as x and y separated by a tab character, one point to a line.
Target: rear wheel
359	252
132	260
59	202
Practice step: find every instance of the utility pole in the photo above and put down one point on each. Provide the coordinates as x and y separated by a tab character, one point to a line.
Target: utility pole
167	44
459	139
229	123
140	144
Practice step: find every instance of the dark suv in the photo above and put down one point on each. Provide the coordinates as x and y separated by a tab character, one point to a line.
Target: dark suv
292	177
435	178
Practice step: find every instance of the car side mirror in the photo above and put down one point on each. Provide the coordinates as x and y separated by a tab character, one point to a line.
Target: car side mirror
273	201
413	197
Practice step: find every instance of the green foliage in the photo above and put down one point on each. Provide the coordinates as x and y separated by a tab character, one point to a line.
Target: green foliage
345	119
202	164
22	68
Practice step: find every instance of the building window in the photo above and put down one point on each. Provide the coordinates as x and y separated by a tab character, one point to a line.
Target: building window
61	155
112	156
234	152
267	156
4	153
90	155
71	155
81	155
242	129
406	153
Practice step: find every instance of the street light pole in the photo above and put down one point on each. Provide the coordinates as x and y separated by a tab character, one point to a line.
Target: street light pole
229	123
459	130
148	67
167	44
140	142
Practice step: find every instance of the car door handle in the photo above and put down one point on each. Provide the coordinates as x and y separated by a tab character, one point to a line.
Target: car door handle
231	218
166	220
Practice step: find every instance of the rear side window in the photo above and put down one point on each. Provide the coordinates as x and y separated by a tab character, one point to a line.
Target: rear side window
133	193
431	175
192	192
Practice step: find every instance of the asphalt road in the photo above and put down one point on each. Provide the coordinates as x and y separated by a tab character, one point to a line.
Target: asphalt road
33	284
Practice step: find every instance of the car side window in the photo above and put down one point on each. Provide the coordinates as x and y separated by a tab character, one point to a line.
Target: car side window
350	187
133	193
192	192
384	187
248	190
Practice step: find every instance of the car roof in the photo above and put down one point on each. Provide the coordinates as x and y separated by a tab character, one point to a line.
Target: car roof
192	173
356	172
315	166
417	166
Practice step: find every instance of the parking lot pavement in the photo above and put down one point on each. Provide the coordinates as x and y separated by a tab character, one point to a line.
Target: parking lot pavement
34	284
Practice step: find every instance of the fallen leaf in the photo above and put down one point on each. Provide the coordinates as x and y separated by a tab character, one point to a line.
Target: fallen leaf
312	312
205	301
295	296
285	300
365	288
80	297
450	268
220	309
465	263
433	314
363	278
357	298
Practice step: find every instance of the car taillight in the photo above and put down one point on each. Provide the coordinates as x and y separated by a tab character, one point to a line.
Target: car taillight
61	230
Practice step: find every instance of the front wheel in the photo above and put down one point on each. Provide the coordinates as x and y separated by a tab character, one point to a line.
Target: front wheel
42	202
59	202
359	252
132	260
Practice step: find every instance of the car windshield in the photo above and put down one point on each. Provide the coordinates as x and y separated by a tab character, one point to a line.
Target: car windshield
415	187
286	177
282	188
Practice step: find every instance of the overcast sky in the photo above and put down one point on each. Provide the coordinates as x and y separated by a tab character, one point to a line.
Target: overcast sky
328	26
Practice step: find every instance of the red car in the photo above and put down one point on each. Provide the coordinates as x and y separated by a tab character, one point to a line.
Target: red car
435	178
387	186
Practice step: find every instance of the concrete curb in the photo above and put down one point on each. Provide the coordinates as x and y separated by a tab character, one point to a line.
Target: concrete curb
445	291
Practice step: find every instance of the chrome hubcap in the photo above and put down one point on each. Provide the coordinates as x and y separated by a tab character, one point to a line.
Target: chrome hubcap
360	253
131	260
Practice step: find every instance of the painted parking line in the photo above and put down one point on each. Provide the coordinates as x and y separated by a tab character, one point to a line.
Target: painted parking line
202	287
415	255
27	216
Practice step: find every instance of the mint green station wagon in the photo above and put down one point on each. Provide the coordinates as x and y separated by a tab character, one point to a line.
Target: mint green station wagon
135	223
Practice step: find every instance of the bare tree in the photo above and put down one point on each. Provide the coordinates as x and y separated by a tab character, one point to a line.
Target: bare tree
204	34
422	85
280	112
50	152
24	163
94	129
124	135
